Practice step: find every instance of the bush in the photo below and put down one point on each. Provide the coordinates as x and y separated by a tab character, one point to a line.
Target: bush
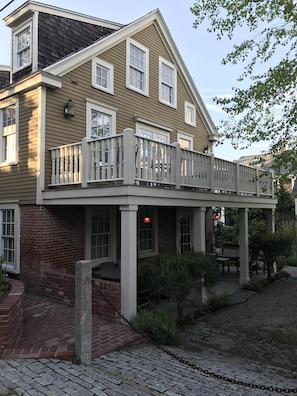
256	284
292	261
159	326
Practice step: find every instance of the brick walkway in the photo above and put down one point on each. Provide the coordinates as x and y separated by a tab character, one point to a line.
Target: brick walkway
49	332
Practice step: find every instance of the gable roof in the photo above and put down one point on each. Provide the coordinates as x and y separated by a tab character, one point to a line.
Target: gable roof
29	7
75	60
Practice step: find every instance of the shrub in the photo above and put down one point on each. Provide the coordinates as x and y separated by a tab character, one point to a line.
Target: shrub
256	284
159	326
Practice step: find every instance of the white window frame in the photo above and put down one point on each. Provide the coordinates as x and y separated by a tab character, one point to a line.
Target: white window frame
3	106
111	111
189	107
16	34
145	70
173	102
112	248
109	68
179	235
187	167
13	267
154	226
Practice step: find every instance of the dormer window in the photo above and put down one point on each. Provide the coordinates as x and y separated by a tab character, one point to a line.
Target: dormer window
22	47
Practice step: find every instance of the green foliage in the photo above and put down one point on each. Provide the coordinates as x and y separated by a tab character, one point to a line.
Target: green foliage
285	209
2	272
159	326
264	108
217	303
177	274
292	261
256	284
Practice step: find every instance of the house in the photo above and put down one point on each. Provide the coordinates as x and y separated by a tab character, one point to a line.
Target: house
107	153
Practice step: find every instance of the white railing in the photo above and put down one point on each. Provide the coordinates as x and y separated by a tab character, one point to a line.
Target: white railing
129	159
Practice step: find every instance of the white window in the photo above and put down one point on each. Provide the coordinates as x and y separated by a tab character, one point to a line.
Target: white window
186	142
102	75
147	233
167	78
100	245
185	232
101	120
9	237
8	125
22	47
137	67
190	114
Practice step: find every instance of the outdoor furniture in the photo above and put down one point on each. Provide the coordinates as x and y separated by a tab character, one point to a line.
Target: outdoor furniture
229	254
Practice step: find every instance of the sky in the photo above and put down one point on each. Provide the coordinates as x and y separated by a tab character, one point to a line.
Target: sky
200	50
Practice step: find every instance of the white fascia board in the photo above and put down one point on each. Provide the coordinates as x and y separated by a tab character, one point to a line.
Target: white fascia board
38	79
75	60
32	6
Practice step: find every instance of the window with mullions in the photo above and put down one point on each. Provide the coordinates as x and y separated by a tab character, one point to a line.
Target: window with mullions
102	75
100	234
137	67
22	48
8	125
190	114
146	231
185	232
100	124
167	83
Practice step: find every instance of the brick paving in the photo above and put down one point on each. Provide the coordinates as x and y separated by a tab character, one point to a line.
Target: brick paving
49	330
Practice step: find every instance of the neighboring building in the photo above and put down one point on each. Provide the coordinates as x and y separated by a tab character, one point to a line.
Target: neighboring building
123	178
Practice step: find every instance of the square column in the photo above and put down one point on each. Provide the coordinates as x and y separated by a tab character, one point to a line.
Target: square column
243	246
129	260
199	240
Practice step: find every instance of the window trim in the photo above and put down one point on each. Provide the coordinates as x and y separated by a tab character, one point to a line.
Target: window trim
154	251
3	105
181	135
113	239
189	105
145	91
7	206
100	62
16	33
174	87
103	109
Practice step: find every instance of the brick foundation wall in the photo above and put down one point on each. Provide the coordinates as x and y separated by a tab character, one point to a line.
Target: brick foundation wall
12	315
61	287
52	239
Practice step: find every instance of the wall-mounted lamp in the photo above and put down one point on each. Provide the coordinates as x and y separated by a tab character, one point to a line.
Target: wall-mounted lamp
69	109
206	149
147	219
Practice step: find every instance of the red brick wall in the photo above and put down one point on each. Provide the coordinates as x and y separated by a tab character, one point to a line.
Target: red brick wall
52	238
12	315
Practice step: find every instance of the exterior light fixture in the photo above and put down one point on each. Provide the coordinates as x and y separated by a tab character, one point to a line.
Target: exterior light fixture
217	217
147	219
206	149
69	109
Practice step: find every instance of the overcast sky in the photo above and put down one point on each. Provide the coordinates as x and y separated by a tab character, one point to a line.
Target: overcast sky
200	51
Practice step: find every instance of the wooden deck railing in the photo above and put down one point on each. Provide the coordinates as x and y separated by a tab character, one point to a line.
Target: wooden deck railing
130	159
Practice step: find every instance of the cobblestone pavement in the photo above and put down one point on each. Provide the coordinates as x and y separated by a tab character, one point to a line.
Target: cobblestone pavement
144	370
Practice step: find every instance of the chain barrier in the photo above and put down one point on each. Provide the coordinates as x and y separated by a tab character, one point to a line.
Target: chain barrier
209	373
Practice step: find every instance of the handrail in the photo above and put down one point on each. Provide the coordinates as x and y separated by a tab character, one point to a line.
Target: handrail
129	159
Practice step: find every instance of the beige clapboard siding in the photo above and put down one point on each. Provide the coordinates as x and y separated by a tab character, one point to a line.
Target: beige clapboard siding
18	182
77	85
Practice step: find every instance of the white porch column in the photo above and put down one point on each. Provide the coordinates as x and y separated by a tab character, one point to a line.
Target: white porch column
199	241
270	224
244	246
129	260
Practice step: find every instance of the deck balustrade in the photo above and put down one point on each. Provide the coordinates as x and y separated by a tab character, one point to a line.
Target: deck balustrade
133	160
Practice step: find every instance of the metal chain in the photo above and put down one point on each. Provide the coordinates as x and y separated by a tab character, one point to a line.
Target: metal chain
271	388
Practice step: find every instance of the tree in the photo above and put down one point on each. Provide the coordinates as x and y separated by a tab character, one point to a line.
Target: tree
267	109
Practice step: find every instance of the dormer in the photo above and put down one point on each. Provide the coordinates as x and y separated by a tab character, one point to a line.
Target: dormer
42	35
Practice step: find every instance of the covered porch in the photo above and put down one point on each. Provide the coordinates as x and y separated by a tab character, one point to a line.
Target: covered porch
129	173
